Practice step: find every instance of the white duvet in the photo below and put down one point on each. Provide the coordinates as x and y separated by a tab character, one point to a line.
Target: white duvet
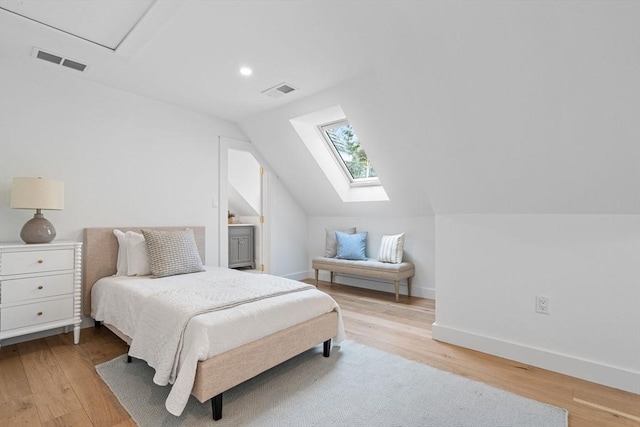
172	328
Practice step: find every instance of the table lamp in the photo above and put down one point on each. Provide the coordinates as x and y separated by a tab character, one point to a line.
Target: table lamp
38	194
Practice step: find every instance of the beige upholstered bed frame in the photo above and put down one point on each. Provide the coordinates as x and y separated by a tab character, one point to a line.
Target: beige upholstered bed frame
101	253
224	371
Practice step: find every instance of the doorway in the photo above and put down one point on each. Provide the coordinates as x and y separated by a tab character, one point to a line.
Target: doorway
243	207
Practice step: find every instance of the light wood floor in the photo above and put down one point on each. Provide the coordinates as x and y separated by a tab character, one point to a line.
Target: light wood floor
51	382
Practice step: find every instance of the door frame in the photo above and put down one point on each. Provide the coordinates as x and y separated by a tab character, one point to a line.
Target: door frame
225	144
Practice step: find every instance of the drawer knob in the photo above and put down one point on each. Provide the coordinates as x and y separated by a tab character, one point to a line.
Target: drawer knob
39	313
40	287
40	261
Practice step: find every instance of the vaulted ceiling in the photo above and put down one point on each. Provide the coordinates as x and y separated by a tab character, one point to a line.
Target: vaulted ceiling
189	52
464	107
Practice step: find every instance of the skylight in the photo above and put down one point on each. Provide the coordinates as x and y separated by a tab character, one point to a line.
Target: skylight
363	185
345	145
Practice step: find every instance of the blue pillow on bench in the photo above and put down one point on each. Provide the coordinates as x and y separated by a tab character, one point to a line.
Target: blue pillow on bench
352	246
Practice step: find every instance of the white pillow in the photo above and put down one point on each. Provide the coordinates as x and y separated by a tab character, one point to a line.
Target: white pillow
121	263
391	249
331	242
137	255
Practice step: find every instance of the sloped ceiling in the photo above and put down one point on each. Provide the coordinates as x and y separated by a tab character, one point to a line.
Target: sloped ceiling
500	107
238	204
465	107
103	22
380	128
188	52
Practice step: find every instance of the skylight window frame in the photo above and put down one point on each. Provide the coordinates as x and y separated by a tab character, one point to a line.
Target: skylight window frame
353	182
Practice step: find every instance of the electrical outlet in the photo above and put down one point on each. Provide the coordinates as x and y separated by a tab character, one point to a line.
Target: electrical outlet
542	304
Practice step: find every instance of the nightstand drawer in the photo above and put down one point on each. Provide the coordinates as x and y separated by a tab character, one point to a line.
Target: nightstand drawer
36	261
35	314
15	290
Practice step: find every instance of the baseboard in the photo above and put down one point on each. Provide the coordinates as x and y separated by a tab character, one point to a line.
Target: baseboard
374	284
607	375
301	275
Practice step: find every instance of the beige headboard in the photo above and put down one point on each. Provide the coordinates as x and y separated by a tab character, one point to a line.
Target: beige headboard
100	250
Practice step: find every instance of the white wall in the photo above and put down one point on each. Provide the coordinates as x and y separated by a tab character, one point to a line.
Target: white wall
124	159
490	268
288	233
515	106
419	248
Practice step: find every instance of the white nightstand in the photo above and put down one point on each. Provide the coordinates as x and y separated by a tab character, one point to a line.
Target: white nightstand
40	287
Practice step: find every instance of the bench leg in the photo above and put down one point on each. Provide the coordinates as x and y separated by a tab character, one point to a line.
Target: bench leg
409	286
397	283
316	277
332	273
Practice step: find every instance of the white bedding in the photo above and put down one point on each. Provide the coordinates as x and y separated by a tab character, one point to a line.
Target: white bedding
120	301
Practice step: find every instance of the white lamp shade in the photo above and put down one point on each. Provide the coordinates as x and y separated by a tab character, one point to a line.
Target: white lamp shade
37	193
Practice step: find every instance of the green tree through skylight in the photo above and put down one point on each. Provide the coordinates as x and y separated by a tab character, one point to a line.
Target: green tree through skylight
347	145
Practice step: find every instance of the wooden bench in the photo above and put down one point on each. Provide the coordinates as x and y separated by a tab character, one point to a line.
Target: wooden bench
369	268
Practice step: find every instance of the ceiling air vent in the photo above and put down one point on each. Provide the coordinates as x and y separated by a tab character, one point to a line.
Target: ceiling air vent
278	90
57	59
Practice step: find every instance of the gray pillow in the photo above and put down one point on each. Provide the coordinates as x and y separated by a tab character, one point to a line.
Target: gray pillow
331	244
172	252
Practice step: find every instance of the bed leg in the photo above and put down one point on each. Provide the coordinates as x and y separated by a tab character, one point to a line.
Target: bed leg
332	274
326	348
128	359
316	277
216	407
97	323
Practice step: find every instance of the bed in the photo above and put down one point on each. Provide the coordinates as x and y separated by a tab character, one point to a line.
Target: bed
226	365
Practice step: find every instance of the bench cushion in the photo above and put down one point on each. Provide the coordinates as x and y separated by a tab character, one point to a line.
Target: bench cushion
369	268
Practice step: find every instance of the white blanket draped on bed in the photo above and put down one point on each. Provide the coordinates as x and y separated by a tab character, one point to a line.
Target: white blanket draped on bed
172	329
164	316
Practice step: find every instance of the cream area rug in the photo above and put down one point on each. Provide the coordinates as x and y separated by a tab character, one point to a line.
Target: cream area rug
356	386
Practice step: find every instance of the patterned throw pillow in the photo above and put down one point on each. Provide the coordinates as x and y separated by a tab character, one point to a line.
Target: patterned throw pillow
391	249
331	242
172	252
352	246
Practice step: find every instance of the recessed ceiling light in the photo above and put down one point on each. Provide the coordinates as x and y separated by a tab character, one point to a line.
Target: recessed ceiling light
246	71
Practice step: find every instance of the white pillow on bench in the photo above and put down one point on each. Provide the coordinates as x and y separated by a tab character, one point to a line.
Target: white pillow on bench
391	248
331	243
